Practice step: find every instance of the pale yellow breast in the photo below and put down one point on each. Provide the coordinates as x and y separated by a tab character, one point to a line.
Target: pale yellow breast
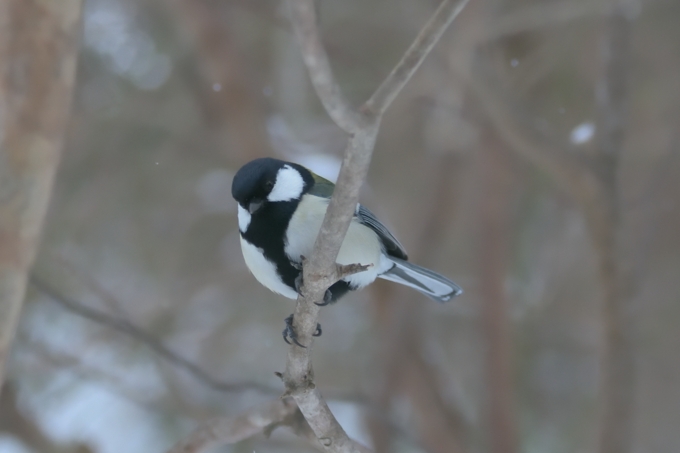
361	245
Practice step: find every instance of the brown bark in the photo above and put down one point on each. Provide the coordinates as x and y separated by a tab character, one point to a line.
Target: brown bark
38	51
617	385
320	271
494	242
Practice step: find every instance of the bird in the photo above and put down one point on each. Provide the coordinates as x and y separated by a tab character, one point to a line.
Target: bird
281	206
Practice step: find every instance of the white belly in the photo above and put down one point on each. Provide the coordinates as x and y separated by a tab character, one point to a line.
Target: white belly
264	270
361	245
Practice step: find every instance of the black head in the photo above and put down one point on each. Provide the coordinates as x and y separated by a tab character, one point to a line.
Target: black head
269	180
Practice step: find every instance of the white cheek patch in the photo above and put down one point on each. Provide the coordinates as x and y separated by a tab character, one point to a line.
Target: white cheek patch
244	218
289	185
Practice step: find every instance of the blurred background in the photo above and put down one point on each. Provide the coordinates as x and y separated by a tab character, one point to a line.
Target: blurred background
512	162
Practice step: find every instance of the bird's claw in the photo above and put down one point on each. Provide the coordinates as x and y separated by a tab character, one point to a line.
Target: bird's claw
327	299
298	266
289	332
298	283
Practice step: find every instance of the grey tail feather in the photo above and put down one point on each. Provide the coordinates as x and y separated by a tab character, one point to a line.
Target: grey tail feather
430	283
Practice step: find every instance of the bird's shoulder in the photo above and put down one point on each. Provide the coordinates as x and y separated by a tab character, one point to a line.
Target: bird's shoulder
322	187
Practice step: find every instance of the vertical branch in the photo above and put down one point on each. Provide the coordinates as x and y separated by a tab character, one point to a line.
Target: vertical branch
38	50
594	185
403	372
617	360
494	243
321	271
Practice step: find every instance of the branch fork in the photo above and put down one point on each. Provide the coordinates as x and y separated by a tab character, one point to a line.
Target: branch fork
327	279
321	271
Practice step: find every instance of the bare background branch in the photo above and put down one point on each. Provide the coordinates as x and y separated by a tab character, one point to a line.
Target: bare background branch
126	327
220	432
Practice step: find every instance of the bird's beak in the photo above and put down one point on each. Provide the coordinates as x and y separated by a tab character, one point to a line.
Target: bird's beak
254	206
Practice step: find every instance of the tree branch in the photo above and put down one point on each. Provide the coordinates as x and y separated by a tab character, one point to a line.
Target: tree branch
414	56
264	419
617	382
304	19
126	327
571	172
225	431
320	272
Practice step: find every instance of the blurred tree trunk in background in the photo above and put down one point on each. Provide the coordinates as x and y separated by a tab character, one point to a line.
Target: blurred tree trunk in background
495	236
224	91
403	371
38	51
617	390
593	181
25	428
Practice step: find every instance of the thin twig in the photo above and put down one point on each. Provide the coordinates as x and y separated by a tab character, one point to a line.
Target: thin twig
414	56
537	16
320	272
572	173
262	419
215	432
109	377
126	327
304	19
226	431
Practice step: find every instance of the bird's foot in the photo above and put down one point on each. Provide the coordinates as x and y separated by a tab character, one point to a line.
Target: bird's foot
289	332
298	279
298	283
327	299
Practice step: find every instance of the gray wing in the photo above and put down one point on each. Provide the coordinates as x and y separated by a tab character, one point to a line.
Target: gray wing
324	188
392	246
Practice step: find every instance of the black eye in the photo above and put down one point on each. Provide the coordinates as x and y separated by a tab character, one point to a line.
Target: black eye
269	185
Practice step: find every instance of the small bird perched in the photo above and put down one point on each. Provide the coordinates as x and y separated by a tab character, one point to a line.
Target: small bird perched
281	206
